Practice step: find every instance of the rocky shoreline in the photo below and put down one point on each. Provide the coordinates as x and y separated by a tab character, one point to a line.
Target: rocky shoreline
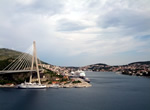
82	84
7	86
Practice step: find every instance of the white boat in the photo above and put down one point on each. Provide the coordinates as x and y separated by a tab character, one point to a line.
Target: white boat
72	73
87	80
80	73
31	86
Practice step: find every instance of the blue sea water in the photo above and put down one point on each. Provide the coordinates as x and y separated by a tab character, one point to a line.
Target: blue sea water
109	91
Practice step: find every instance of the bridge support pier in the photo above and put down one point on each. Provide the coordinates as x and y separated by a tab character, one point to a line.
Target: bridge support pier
34	60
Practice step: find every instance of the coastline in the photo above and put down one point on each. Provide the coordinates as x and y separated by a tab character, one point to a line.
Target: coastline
82	84
7	86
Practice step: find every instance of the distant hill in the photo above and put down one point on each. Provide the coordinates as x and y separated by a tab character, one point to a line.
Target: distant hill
96	67
6	56
100	64
8	53
141	63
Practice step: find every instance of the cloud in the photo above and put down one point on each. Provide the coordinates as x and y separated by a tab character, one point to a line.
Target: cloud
134	20
145	37
67	25
25	2
47	7
77	32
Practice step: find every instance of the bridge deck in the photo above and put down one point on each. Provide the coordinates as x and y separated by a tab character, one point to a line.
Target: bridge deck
17	71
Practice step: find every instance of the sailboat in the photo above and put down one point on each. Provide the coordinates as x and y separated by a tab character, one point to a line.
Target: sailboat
30	85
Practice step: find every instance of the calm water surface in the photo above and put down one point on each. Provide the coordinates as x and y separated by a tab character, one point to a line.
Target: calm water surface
110	91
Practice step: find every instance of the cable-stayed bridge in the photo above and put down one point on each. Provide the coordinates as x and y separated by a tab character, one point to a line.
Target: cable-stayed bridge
25	63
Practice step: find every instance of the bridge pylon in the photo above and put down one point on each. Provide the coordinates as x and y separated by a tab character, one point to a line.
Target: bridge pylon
34	60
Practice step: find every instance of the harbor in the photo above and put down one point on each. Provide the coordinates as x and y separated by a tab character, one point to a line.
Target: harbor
76	79
106	86
83	84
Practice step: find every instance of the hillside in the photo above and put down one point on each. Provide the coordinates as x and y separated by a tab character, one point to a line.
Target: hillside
141	68
135	68
6	56
96	67
140	63
8	53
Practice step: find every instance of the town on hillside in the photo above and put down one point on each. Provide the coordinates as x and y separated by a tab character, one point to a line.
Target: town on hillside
136	69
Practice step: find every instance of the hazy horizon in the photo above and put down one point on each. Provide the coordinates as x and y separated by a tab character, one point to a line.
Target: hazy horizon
83	65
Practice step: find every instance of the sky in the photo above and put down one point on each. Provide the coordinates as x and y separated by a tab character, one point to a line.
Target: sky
78	32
